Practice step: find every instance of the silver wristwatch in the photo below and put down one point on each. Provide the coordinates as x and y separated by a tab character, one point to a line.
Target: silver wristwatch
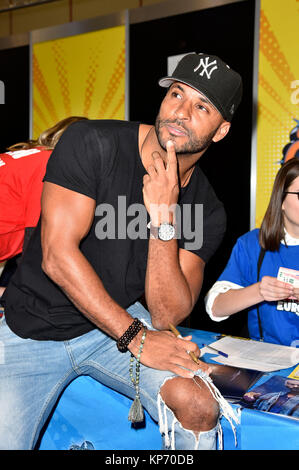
164	232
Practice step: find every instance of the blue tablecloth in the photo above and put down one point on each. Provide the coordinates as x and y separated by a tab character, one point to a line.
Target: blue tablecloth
89	412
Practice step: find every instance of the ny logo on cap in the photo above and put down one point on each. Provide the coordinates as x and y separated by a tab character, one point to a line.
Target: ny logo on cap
205	64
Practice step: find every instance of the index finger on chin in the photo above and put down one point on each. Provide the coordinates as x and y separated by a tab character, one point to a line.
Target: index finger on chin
171	156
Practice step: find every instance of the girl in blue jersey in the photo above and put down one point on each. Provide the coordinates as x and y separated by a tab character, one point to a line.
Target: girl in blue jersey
273	306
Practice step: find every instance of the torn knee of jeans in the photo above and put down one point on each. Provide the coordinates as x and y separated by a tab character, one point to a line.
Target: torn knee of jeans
170	428
225	410
192	403
163	409
169	425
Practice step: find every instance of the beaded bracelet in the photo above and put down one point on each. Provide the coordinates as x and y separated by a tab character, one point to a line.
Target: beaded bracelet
129	334
136	413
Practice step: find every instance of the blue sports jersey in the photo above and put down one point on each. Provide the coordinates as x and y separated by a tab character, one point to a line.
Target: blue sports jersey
279	319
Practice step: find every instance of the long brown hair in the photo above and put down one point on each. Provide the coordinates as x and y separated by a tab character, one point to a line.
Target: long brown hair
272	228
48	138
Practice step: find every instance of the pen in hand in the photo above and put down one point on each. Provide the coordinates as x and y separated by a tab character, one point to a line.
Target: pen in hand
216	350
178	335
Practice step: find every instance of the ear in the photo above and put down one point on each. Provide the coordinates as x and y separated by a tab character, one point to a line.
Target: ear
222	131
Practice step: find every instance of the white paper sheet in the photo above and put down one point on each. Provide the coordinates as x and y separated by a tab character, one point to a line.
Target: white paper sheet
257	355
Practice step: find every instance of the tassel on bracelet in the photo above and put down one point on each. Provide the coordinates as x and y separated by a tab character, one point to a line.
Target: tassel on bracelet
136	413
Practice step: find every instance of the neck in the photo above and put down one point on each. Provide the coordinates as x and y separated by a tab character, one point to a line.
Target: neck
293	230
150	144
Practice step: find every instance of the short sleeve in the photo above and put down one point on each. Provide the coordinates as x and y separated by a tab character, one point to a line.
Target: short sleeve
75	162
203	219
214	227
239	267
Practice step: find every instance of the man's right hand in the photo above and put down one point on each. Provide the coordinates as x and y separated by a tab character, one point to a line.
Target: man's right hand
162	350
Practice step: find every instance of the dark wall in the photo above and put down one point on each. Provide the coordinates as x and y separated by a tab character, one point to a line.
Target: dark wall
14	113
226	31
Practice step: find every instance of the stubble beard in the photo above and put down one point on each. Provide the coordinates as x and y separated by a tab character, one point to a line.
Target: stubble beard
193	145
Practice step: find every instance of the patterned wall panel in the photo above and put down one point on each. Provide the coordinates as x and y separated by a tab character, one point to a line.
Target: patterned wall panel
79	75
278	99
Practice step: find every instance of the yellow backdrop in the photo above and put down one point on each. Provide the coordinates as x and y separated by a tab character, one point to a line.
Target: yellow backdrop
82	75
278	85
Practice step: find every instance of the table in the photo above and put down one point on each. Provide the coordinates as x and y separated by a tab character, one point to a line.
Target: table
89	412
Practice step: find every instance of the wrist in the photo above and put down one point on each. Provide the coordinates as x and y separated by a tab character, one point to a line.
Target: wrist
162	213
164	232
260	296
129	335
134	345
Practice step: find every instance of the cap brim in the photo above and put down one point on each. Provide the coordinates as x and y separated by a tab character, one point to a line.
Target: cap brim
166	81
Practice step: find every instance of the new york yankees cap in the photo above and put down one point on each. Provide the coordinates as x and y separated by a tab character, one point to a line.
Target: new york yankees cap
213	78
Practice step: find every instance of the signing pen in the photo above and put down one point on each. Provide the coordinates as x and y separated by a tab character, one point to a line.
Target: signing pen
178	335
216	350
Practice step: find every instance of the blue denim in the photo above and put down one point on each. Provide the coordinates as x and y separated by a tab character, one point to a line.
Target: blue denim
33	374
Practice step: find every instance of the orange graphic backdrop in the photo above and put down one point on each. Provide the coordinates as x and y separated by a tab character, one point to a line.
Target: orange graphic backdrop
278	74
82	75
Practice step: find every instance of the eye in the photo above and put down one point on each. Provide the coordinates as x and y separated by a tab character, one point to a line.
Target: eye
200	107
175	94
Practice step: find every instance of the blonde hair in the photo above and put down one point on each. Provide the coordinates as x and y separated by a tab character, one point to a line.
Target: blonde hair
49	137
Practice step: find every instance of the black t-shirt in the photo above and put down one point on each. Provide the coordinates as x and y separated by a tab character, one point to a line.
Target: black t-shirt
101	160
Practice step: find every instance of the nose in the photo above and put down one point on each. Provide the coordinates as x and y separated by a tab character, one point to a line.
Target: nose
183	110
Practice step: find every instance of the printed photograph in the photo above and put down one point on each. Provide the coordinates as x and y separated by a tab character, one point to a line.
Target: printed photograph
277	395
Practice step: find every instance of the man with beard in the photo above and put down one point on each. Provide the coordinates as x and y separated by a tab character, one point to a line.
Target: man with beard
280	402
75	295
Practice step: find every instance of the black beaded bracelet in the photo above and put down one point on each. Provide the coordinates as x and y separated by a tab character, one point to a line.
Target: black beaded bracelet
129	334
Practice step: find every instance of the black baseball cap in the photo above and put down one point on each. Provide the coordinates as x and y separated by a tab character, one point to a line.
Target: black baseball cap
212	77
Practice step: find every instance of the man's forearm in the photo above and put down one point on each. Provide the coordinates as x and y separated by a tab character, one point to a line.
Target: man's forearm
72	272
168	295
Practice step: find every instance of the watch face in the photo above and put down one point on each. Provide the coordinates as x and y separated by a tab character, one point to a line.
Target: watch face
166	232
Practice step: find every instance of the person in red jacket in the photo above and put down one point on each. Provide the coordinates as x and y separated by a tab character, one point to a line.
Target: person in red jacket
22	169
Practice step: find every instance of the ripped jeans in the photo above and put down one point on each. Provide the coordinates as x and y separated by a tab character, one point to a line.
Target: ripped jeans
34	373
